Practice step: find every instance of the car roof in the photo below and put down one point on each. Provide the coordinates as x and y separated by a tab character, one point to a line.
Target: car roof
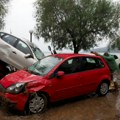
68	55
29	43
24	40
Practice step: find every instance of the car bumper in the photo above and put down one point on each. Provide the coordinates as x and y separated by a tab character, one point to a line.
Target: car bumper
17	101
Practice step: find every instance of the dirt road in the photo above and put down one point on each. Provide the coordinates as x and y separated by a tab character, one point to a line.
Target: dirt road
89	107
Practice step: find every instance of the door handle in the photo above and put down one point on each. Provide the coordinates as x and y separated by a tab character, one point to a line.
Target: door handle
14	52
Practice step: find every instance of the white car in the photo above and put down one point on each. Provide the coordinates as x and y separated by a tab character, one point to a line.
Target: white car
18	53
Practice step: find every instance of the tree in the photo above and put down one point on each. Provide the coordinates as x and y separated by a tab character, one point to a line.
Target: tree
76	24
3	11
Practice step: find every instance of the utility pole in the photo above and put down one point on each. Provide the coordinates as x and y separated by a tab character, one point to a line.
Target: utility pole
31	33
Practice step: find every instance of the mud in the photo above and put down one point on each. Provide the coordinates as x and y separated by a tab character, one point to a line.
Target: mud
90	107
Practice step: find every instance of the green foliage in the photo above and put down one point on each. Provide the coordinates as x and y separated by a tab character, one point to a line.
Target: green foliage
3	11
76	24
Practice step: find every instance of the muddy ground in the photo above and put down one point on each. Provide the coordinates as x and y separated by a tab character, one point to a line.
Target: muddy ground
89	107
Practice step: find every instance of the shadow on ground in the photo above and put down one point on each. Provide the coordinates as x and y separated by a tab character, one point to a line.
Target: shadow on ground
90	107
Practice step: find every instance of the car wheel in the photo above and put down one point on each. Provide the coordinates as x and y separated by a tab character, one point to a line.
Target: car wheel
37	103
103	88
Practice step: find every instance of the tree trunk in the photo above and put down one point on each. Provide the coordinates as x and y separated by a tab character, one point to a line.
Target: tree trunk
76	50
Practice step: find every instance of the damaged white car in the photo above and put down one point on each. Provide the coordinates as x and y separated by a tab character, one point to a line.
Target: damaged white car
16	53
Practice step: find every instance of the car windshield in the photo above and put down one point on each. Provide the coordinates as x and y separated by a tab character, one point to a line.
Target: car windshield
38	53
43	66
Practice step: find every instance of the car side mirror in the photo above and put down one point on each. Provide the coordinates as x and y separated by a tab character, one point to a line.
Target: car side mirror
28	56
60	73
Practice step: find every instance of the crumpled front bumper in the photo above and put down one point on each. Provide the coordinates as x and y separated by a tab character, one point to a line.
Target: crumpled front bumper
6	102
14	101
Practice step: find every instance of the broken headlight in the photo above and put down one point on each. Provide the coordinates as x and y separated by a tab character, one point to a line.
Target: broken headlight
16	88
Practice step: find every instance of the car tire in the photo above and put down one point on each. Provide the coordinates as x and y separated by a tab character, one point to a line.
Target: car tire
37	103
103	88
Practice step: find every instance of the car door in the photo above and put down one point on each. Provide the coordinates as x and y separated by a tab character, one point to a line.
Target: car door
7	48
22	49
90	74
13	51
69	84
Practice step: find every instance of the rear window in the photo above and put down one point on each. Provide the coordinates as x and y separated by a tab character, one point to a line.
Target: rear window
93	63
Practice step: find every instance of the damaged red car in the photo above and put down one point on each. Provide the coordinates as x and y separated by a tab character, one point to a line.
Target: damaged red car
53	78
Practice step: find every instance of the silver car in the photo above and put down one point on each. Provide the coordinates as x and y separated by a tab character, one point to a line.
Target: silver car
18	53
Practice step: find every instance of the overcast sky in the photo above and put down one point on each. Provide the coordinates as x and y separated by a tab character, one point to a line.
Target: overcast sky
20	19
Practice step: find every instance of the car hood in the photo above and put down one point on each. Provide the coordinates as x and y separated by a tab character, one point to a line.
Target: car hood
20	76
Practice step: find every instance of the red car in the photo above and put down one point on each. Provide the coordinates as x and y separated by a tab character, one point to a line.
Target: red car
55	77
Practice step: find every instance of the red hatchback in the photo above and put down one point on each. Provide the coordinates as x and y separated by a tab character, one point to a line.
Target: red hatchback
54	78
